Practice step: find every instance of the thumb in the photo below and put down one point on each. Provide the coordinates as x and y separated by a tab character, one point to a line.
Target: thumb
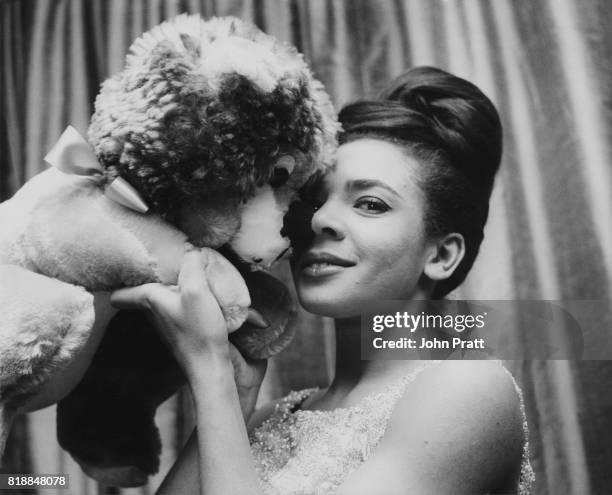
140	297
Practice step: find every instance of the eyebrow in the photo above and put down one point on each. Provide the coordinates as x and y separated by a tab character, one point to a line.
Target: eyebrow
361	184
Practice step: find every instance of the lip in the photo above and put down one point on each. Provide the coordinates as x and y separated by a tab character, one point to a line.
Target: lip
321	263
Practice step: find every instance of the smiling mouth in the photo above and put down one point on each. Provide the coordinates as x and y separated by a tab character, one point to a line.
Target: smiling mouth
321	269
321	264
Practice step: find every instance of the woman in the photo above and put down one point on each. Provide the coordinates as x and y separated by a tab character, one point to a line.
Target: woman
400	216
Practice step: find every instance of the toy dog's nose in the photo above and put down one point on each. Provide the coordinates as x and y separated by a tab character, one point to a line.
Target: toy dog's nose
265	256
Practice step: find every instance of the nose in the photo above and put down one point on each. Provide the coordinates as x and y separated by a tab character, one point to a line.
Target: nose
326	220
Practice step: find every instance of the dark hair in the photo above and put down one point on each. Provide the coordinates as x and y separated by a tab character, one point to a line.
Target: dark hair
453	130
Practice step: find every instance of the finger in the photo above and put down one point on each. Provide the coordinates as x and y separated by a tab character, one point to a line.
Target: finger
192	279
258	364
140	297
255	318
196	293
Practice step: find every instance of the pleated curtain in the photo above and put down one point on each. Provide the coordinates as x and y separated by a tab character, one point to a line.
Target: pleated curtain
546	64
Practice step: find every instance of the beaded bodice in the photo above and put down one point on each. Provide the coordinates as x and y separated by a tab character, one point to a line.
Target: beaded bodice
310	452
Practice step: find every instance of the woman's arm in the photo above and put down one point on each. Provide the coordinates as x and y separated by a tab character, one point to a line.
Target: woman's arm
226	465
191	321
184	476
457	429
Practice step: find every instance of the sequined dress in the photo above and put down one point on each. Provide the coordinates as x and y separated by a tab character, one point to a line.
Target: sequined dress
310	452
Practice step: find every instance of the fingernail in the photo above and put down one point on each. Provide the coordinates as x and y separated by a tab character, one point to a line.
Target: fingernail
257	319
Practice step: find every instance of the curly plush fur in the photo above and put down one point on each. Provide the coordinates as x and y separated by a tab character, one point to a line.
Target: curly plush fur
207	108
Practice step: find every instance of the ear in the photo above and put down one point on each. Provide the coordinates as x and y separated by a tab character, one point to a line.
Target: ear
447	253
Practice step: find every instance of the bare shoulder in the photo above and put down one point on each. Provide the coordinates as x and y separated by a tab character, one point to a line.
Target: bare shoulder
463	416
482	386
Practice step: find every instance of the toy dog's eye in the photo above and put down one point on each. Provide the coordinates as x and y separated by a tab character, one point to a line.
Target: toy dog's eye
282	170
287	162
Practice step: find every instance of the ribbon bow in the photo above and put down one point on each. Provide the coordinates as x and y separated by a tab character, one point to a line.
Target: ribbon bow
73	155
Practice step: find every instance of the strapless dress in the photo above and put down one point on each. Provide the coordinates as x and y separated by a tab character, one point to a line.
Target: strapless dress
309	452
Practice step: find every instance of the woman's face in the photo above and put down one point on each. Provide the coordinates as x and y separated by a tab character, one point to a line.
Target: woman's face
369	242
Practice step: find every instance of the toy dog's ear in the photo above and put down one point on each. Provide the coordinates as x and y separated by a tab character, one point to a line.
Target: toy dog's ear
271	298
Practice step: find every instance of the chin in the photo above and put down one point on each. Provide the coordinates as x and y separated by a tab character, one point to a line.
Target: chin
327	303
335	296
330	309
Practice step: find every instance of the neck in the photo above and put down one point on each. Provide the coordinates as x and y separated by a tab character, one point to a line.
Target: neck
349	366
351	369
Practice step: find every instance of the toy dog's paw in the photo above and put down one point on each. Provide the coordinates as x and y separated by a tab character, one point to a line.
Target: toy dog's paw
272	300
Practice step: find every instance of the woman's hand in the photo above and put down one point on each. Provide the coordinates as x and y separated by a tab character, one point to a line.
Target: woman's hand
187	315
224	385
190	320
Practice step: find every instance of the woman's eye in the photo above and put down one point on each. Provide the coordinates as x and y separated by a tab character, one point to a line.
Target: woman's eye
371	204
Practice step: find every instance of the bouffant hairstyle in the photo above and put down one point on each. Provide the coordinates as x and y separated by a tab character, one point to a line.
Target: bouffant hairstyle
454	132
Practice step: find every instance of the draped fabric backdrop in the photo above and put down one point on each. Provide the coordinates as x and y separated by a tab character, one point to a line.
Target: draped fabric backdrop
545	63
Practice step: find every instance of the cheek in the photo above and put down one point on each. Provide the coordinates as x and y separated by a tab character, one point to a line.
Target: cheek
385	244
392	261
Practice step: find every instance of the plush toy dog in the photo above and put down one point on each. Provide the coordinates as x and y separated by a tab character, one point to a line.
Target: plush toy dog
202	141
